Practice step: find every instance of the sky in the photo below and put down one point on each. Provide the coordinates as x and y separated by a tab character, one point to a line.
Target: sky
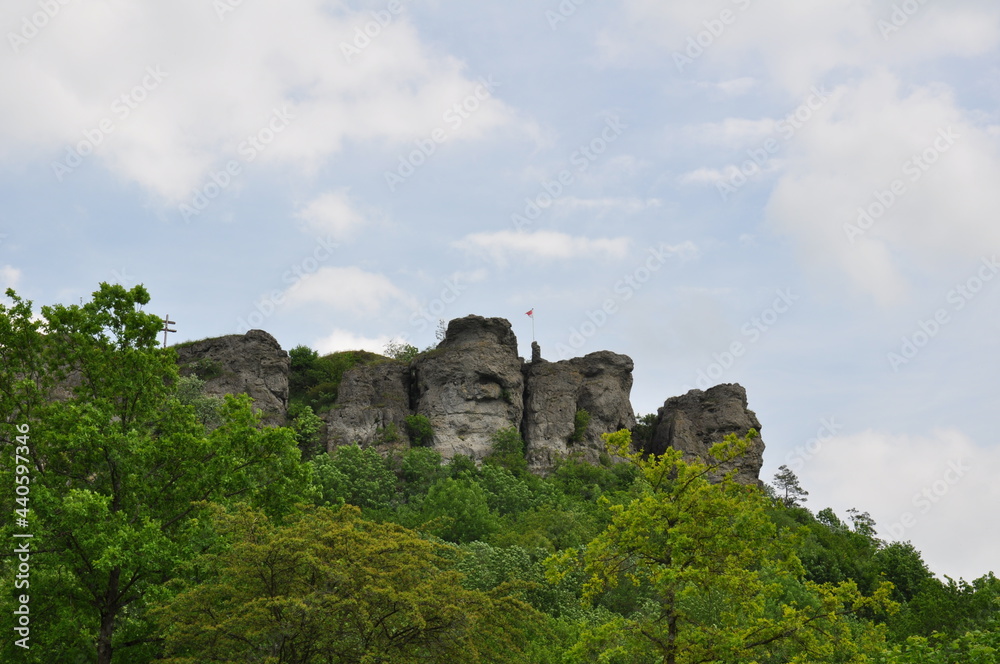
801	197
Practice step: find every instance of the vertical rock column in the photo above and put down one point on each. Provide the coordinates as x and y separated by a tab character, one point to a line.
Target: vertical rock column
470	386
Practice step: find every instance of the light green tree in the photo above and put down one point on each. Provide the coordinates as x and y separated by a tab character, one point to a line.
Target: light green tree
719	583
333	588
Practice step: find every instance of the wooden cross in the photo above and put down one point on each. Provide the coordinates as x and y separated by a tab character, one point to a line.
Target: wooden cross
166	328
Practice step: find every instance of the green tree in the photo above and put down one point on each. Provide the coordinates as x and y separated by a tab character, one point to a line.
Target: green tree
332	588
307	427
399	350
581	421
420	431
118	466
507	450
722	584
788	488
458	510
354	475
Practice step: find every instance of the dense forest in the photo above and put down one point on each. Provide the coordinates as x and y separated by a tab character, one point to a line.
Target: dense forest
148	522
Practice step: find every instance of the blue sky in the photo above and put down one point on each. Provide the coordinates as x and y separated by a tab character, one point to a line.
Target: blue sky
799	197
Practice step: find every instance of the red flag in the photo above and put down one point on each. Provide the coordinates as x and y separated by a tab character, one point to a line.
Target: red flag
530	313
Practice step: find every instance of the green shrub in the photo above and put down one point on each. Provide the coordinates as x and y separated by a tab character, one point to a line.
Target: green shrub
420	431
580	423
507	451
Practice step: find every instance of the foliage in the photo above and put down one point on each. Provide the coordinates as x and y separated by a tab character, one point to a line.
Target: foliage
507	451
117	469
722	584
458	510
399	350
332	587
642	432
788	489
420	431
206	369
307	427
355	476
581	420
208	409
314	381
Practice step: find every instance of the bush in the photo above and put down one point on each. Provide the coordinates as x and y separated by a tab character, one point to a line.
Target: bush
580	423
314	381
306	426
355	476
419	429
507	451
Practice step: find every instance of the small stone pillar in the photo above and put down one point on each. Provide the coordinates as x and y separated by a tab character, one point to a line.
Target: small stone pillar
536	352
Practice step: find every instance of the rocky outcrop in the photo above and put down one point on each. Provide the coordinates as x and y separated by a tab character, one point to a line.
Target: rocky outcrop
372	404
251	363
697	420
598	383
470	386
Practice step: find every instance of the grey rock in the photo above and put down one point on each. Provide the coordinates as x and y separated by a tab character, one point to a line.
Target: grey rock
697	420
599	383
251	363
470	386
371	397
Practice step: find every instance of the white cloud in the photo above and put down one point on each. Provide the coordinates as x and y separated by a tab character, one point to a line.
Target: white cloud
733	132
852	153
222	87
942	481
733	87
333	214
10	277
502	246
624	204
348	289
340	340
797	43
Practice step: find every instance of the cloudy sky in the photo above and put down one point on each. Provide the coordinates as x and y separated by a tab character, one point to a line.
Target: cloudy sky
801	197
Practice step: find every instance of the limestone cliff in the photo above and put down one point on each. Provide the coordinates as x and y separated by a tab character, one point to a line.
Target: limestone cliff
474	384
697	420
470	386
598	383
251	363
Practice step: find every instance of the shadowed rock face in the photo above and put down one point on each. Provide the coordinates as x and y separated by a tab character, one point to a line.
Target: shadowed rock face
251	363
370	398
599	383
697	420
470	386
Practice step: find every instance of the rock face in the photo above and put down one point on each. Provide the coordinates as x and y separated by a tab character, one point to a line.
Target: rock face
599	383
470	386
370	399
697	420
252	363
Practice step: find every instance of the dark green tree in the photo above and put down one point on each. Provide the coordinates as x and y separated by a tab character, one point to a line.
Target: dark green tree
118	467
